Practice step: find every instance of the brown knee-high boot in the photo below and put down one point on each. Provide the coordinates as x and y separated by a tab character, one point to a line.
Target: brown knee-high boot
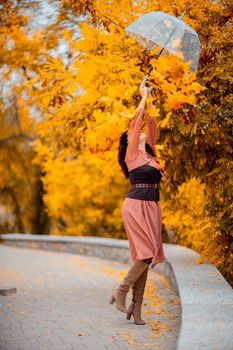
119	296
138	291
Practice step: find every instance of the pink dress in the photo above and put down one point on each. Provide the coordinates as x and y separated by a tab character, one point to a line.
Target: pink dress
142	219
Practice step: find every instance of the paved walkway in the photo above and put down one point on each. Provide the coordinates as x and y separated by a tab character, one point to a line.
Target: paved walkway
62	303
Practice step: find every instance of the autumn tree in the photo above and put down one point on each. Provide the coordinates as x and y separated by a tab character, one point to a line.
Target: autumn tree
22	51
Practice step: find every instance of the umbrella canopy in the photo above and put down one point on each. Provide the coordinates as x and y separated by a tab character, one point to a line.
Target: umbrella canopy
158	29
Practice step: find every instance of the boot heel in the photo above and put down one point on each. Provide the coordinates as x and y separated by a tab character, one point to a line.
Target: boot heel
128	317
130	311
112	300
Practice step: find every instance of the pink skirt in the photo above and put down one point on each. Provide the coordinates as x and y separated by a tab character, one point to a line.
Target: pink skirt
143	225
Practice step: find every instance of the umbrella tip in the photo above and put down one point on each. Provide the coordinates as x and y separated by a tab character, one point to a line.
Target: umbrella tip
182	15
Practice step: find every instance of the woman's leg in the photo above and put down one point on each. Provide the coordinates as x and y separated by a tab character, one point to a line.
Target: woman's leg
135	271
137	296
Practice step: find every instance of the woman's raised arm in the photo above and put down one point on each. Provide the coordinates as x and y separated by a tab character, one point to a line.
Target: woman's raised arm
135	127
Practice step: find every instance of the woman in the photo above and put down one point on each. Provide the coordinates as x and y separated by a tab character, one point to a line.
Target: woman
141	211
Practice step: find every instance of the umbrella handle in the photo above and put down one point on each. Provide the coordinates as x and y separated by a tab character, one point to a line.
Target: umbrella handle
143	84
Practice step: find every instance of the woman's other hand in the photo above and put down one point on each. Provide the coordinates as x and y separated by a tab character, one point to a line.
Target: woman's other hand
149	101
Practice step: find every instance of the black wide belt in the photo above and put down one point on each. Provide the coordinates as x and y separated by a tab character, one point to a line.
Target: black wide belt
145	185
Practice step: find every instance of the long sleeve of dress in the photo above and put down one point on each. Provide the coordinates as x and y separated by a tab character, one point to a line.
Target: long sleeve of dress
151	130
134	134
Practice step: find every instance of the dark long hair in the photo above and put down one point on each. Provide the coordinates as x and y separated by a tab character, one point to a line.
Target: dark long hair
123	143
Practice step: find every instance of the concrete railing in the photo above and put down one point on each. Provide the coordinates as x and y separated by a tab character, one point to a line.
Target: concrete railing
206	297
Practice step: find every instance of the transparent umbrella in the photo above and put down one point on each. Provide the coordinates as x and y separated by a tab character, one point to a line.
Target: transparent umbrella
169	34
